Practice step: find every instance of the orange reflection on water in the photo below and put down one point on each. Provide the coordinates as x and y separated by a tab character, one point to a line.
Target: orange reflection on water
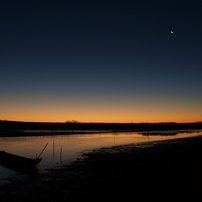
73	145
63	149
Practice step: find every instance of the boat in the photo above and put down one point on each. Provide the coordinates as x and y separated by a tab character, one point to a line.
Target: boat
12	160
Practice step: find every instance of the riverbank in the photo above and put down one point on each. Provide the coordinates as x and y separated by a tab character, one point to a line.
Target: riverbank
14	128
160	171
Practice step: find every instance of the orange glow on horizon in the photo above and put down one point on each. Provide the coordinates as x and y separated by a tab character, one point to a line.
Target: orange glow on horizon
100	116
101	111
97	120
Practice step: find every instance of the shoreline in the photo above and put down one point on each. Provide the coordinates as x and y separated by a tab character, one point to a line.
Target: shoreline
14	128
168	170
26	133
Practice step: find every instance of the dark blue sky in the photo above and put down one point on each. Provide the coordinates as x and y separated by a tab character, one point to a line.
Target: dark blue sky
101	61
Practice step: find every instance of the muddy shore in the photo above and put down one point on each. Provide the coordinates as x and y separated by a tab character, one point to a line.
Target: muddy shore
162	171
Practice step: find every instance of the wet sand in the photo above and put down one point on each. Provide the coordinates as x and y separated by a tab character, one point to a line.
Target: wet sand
162	171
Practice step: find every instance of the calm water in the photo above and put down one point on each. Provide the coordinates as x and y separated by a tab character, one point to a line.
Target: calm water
63	149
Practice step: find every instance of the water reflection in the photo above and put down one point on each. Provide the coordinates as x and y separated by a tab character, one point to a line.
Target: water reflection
171	133
63	149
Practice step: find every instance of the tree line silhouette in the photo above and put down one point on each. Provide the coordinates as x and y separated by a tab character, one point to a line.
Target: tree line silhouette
16	125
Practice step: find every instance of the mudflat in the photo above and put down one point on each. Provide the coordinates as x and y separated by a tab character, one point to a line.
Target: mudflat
159	171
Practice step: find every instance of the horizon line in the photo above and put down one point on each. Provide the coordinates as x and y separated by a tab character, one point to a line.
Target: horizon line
75	121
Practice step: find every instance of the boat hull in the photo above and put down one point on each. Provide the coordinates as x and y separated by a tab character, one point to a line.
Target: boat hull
11	160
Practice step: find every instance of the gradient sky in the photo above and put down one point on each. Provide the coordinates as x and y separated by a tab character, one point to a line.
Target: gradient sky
101	61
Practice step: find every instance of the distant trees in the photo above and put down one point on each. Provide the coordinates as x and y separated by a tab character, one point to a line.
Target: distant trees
72	121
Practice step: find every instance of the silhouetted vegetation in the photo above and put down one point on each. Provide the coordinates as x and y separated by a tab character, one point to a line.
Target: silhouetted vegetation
11	127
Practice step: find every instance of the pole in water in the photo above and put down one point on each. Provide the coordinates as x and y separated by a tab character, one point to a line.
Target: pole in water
61	155
53	149
43	150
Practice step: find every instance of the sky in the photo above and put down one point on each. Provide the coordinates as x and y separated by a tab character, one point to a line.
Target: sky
101	61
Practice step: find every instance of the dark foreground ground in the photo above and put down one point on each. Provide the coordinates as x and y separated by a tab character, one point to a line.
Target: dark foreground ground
169	171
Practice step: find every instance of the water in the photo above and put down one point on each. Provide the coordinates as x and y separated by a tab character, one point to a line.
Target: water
62	149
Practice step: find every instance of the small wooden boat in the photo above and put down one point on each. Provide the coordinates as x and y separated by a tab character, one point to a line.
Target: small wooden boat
11	160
